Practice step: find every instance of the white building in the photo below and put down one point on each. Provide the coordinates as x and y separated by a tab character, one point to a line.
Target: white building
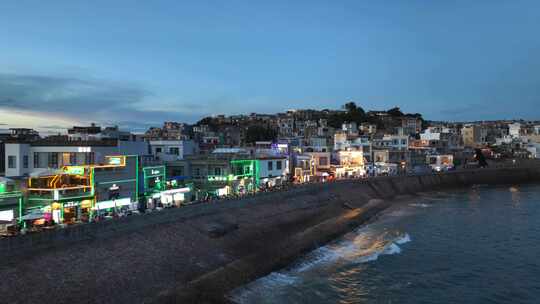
400	142
514	129
273	170
171	150
350	127
441	138
534	149
23	159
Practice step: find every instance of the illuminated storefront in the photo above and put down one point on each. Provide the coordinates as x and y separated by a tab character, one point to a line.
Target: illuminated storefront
64	197
116	184
304	168
350	164
440	163
78	193
245	175
175	197
154	179
11	200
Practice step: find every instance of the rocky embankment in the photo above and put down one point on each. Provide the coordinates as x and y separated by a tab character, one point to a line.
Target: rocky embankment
199	253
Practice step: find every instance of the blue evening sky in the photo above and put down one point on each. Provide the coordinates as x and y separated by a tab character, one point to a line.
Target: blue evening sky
137	63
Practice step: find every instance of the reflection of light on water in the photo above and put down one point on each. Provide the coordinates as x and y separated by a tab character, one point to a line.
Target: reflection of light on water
474	195
365	245
516	195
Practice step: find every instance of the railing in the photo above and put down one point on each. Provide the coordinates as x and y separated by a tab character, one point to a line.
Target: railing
60	193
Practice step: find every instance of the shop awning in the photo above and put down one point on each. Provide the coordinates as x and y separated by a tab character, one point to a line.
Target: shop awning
32	216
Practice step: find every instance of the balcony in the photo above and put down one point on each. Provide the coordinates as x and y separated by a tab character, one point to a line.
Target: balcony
60	194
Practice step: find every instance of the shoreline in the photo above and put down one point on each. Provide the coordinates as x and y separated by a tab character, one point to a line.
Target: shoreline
214	287
198	254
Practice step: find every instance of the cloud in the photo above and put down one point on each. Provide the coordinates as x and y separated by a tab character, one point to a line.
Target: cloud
65	95
84	100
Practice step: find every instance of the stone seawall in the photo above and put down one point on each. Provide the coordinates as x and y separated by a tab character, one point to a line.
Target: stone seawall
198	253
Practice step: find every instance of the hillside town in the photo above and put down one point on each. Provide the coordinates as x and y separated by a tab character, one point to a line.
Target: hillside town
94	173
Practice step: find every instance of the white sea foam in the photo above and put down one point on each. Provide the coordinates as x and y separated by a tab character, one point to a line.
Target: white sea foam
403	239
383	248
364	245
322	255
420	205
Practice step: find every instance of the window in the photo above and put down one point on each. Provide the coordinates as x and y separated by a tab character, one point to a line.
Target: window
53	160
65	159
88	158
72	158
12	161
174	151
25	161
179	171
217	171
197	171
278	165
270	165
323	161
158	150
36	160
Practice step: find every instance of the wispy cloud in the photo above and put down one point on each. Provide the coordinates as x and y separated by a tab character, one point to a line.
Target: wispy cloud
83	100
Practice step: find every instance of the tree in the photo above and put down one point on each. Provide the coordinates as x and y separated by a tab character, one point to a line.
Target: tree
350	106
396	112
353	113
260	133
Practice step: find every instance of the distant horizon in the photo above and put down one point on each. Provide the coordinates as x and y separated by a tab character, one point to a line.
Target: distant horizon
63	129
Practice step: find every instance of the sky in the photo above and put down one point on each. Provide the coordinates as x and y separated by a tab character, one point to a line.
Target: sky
139	63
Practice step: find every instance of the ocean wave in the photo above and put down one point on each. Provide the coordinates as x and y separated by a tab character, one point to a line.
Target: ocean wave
403	239
390	247
362	246
322	255
366	246
420	205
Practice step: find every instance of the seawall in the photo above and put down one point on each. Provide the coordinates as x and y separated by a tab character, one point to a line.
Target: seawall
198	253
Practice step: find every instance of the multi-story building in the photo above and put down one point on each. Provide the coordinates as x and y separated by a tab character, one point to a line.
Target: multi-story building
14	134
350	128
398	142
170	150
473	135
368	128
350	163
286	126
442	139
26	158
169	131
411	124
514	129
77	193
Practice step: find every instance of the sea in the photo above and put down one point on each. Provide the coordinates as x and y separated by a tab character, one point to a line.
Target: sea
475	245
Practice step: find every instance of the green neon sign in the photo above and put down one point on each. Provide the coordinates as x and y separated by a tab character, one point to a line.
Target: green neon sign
74	170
